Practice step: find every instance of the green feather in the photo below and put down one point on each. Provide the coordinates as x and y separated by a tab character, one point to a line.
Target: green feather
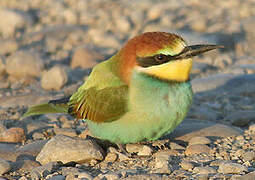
45	109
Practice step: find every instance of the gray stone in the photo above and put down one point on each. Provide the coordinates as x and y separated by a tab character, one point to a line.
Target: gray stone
31	150
55	177
4	166
204	113
204	170
162	162
241	118
248	156
187	165
210	83
54	79
65	131
191	128
66	149
111	157
249	176
220	83
8	151
85	175
197	149
232	168
24	165
42	171
145	151
110	176
11	20
199	140
142	150
166	153
24	64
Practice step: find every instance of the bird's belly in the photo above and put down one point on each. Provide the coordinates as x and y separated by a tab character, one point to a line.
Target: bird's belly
154	109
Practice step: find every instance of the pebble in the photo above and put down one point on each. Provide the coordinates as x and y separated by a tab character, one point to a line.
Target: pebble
66	149
12	20
162	162
187	165
122	24
175	146
249	176
54	79
84	175
13	135
232	168
42	171
197	149
111	157
110	176
199	140
8	46
4	166
24	165
252	127
24	64
161	165
141	150
65	131
85	58
166	153
204	170
55	177
249	156
145	151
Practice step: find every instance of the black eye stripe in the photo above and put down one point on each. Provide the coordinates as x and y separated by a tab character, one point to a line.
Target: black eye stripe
153	60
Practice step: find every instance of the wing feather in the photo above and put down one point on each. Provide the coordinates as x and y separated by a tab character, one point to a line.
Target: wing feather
102	105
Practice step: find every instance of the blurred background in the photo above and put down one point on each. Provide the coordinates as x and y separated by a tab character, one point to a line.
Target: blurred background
48	47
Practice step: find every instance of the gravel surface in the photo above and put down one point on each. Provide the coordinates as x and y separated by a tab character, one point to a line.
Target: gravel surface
47	50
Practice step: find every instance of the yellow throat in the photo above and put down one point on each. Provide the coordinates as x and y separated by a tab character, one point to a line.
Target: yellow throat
177	70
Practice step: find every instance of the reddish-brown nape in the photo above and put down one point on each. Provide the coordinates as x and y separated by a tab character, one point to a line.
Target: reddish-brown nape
143	45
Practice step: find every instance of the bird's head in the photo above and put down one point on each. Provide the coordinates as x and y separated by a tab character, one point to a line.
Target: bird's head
162	55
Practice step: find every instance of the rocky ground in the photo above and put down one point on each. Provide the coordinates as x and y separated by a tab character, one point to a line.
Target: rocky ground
47	49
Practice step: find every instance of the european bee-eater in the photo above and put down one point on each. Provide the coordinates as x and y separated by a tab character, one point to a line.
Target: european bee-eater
139	94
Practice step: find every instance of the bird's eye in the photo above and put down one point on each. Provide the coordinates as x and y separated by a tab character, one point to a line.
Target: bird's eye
160	57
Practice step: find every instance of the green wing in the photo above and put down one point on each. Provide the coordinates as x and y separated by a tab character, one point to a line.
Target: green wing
103	97
100	105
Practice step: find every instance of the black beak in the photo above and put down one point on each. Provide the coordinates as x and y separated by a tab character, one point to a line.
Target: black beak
195	50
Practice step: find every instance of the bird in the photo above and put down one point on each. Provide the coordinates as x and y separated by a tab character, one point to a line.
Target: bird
139	94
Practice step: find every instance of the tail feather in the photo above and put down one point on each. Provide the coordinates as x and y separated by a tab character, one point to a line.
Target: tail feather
46	108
